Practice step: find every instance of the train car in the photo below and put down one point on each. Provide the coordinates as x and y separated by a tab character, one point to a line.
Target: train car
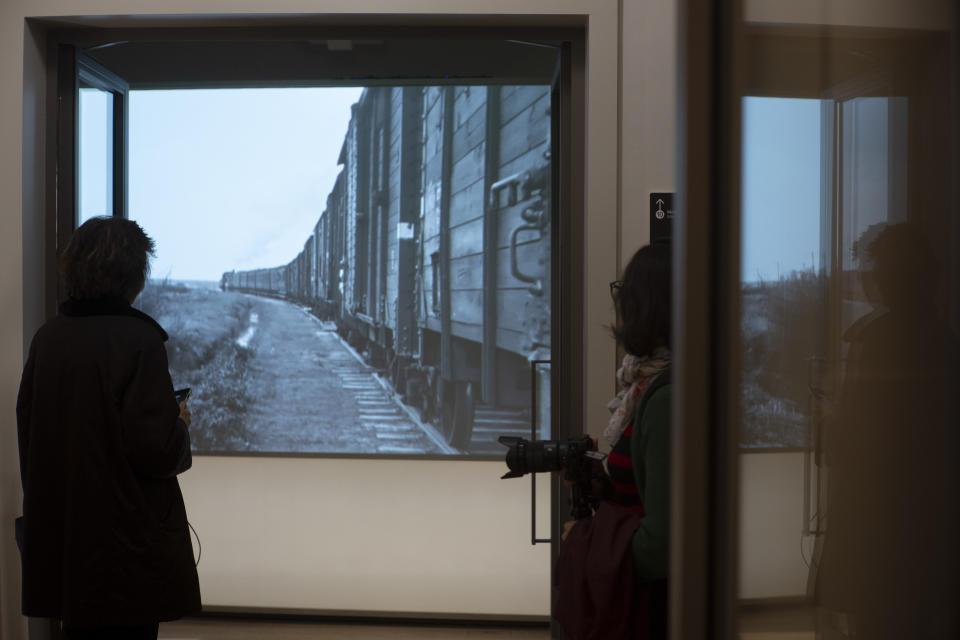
296	275
485	258
265	282
433	252
329	246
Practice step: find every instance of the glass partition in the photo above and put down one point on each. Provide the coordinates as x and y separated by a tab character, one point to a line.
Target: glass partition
781	275
848	322
95	166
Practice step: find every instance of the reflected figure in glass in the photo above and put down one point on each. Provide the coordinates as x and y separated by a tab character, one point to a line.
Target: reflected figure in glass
888	445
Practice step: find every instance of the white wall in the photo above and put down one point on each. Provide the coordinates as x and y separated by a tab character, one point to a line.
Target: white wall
444	532
647	150
773	552
430	537
648	115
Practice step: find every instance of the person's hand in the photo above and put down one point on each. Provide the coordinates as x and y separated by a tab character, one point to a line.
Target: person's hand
185	412
597	465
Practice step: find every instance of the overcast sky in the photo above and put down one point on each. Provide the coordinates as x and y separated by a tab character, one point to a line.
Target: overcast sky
236	178
228	179
781	187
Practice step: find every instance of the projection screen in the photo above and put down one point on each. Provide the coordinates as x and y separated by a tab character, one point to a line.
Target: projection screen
348	270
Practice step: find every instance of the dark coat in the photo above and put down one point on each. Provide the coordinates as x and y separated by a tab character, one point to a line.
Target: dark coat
597	598
892	520
611	570
105	536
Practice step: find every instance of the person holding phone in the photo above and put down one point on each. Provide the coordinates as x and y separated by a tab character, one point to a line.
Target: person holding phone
181	396
106	547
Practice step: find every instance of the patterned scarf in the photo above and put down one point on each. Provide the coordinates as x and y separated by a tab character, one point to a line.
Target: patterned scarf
633	378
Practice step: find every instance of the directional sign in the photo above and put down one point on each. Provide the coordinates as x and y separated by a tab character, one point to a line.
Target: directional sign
661	216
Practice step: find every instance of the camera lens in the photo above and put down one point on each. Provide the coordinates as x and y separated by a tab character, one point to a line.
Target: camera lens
534	456
543	455
517	457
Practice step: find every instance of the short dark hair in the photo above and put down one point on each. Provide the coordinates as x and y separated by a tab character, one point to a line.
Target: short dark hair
106	257
643	302
904	266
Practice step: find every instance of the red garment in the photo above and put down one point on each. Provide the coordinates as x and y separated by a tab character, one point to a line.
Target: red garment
598	595
620	470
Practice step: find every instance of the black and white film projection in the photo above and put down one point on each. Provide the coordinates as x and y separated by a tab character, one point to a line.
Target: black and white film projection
350	270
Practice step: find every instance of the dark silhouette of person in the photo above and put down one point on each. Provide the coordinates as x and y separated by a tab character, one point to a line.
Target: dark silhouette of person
105	542
889	562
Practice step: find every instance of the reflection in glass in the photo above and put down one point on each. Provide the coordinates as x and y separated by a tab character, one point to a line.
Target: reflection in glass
95	167
781	275
849	350
873	191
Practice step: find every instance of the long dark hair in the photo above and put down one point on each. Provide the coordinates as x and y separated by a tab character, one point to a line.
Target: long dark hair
643	301
106	257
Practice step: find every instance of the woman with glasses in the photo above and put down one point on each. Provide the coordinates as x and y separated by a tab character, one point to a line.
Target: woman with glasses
621	553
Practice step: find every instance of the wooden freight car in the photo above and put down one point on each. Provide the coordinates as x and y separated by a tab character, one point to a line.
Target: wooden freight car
328	260
448	247
433	252
485	254
265	282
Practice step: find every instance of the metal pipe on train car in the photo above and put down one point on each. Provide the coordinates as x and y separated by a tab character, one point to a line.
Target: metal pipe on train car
446	308
410	170
383	213
490	206
510	182
536	219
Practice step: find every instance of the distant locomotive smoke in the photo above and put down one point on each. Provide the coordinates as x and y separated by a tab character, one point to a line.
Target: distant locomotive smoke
413	319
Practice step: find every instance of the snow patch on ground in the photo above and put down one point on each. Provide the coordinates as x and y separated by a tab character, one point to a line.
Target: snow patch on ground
244	340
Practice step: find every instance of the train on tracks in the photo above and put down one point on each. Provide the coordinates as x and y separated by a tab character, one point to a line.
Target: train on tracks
432	255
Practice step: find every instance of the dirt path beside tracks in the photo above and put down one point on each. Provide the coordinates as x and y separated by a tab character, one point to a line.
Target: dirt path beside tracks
310	393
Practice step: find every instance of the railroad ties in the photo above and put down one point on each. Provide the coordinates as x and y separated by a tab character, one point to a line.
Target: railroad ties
400	431
397	428
489	423
394	430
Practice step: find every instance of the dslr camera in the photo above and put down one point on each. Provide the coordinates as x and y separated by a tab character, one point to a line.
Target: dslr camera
578	458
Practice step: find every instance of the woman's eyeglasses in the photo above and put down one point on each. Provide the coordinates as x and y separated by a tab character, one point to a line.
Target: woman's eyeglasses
615	287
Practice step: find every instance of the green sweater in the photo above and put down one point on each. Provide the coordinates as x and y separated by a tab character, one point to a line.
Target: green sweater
650	454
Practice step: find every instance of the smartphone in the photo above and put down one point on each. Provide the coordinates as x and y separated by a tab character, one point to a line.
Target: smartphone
181	394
